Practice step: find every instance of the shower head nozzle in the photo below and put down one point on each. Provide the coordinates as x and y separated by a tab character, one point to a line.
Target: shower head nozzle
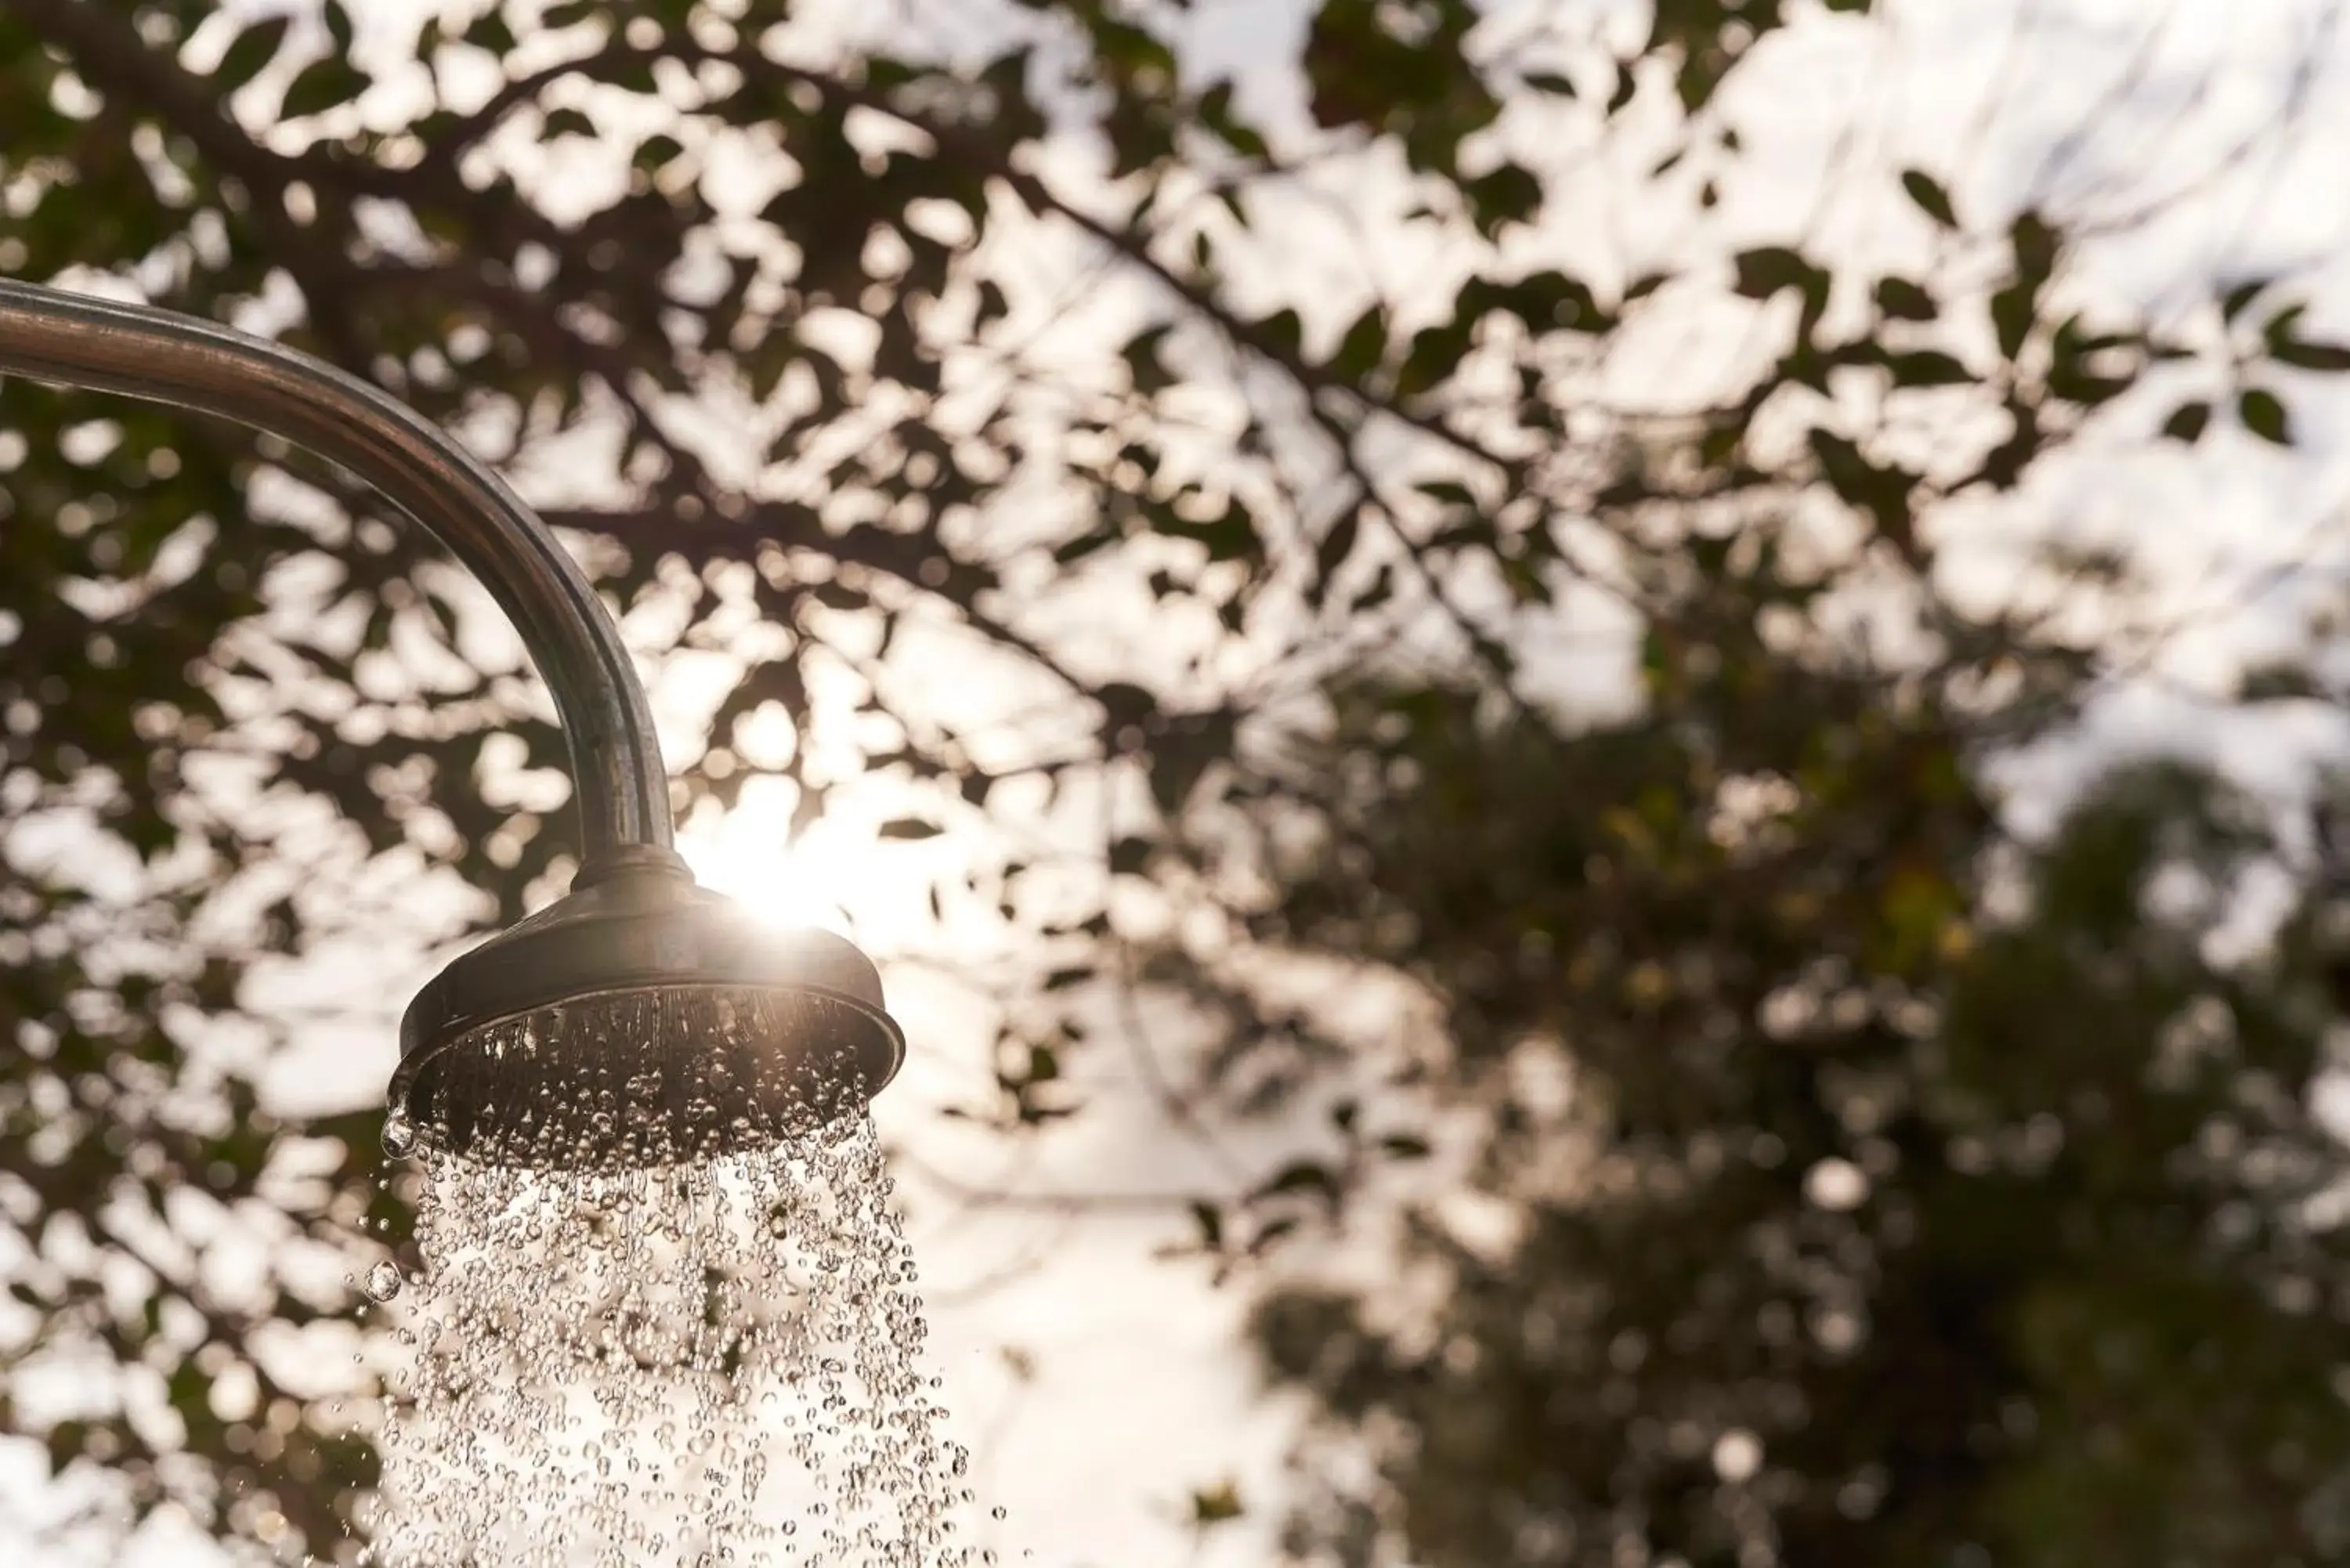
641	1021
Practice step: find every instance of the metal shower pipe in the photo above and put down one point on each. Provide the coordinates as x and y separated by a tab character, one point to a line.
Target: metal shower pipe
162	356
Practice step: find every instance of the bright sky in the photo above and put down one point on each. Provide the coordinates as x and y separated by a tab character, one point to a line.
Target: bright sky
1097	1386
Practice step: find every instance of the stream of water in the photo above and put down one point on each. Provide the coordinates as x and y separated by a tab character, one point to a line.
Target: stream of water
718	1364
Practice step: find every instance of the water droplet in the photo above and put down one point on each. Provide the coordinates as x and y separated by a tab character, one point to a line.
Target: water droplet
383	1280
399	1136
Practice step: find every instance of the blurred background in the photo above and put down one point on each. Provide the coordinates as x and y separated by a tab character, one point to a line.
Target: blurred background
1595	744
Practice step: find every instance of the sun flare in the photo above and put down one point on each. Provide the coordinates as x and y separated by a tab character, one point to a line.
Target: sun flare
752	856
834	873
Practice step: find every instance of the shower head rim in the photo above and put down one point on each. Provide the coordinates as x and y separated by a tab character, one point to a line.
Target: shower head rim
636	930
651	929
413	1062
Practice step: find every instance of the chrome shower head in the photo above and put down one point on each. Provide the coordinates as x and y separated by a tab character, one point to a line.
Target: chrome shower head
641	1021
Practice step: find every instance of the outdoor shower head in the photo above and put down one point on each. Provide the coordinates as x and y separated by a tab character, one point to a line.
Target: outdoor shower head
638	1021
641	1021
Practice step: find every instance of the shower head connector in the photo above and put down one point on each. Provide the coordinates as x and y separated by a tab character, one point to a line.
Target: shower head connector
641	1021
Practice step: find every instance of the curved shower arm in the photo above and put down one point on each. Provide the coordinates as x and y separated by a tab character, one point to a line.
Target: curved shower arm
162	356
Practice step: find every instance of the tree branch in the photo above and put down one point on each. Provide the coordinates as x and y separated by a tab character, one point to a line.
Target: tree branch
135	79
898	556
977	157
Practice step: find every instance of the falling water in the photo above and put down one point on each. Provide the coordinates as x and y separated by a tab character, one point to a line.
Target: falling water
705	1364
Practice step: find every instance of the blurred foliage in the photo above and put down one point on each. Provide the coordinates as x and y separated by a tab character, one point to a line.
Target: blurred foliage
1877	1189
745	301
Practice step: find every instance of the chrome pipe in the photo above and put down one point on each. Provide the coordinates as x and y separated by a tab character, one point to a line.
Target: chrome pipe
162	356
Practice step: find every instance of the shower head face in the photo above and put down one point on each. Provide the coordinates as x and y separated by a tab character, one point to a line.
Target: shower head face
641	1022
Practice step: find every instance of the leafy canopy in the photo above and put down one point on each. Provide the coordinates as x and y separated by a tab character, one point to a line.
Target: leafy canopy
866	368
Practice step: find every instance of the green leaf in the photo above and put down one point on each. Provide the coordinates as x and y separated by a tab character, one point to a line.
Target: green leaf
2013	309
2280	683
1338	543
1271	1231
1142	362
2279	328
1764	272
1883	493
1283	331
1136	52
1214	110
1375	593
1928	368
66	1442
1218	1504
1123	703
775	354
2187	421
565	121
2233	303
657	152
1627	84
2072	377
1363	346
1932	199
633	75
250	54
2263	414
323	85
1299	1175
1547	301
491	32
2302	354
1902	300
1510	194
2035	244
1435	354
1232	537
